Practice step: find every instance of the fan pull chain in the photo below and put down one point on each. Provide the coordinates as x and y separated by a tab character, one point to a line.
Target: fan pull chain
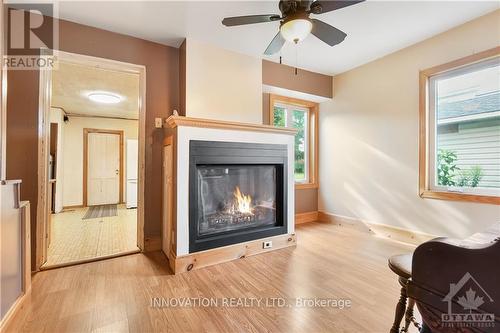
296	58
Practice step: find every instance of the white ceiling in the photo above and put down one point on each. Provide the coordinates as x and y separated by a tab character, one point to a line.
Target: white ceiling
374	28
71	84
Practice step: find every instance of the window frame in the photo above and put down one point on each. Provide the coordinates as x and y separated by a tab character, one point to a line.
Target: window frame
311	149
427	143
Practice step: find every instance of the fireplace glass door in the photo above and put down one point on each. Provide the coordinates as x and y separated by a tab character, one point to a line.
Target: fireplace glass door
235	197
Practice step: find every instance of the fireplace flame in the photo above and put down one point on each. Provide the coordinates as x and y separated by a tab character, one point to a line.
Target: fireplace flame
243	202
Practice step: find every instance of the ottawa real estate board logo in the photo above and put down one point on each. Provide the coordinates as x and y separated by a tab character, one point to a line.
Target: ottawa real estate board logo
32	35
465	299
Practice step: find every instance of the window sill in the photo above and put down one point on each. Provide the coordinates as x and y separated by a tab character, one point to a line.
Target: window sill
427	194
302	186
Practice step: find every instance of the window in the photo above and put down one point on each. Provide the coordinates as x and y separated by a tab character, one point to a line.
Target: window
460	129
301	115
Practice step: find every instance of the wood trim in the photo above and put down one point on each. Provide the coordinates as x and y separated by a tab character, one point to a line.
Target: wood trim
141	70
167	189
169	140
304	186
152	244
174	121
3	108
169	214
423	146
381	230
313	132
288	100
306	217
211	257
86	132
43	209
73	206
485	199
84	261
465	61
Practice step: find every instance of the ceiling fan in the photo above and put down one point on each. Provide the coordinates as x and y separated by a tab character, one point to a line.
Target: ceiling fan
295	23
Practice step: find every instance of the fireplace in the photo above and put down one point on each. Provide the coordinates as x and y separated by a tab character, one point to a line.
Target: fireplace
237	193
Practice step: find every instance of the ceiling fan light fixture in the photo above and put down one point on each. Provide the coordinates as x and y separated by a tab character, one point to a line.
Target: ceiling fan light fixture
104	97
296	30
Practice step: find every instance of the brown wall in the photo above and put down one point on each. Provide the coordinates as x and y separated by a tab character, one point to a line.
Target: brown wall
282	76
182	79
162	96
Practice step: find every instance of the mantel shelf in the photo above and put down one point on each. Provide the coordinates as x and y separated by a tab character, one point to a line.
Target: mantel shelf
175	121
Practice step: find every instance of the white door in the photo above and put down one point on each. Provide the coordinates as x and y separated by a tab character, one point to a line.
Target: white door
103	179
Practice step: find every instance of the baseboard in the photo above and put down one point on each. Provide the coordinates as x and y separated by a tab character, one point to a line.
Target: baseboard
381	230
152	244
219	255
306	217
71	207
15	308
46	267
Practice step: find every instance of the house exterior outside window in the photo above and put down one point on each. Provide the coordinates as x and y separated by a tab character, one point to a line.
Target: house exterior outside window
460	129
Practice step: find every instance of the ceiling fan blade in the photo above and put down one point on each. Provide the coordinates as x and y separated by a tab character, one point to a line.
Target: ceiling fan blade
251	19
275	45
324	6
328	34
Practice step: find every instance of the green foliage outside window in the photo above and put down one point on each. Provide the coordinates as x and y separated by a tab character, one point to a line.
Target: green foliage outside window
279	117
449	174
299	122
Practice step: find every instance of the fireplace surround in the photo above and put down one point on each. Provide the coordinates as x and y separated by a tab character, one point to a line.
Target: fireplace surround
237	192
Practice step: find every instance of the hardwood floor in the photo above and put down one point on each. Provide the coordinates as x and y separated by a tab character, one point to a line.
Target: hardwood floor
329	261
74	239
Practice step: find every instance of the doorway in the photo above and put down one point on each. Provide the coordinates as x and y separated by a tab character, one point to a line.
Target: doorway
95	116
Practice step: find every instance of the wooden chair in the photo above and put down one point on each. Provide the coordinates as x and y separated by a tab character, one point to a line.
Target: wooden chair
401	265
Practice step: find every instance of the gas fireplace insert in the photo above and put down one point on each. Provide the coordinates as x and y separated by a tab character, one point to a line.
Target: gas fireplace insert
237	193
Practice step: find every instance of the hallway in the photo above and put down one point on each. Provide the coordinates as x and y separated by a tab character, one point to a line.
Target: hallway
75	239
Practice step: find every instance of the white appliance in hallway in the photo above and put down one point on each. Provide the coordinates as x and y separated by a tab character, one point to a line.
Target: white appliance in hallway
132	166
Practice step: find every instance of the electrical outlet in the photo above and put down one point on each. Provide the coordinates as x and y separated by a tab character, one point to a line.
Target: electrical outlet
158	122
267	245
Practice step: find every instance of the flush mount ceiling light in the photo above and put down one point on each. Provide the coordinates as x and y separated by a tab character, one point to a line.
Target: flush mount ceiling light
104	97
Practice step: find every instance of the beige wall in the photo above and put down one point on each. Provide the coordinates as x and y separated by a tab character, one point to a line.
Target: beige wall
73	152
222	85
369	139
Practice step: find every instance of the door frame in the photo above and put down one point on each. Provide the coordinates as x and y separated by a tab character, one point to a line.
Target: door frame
45	82
86	132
